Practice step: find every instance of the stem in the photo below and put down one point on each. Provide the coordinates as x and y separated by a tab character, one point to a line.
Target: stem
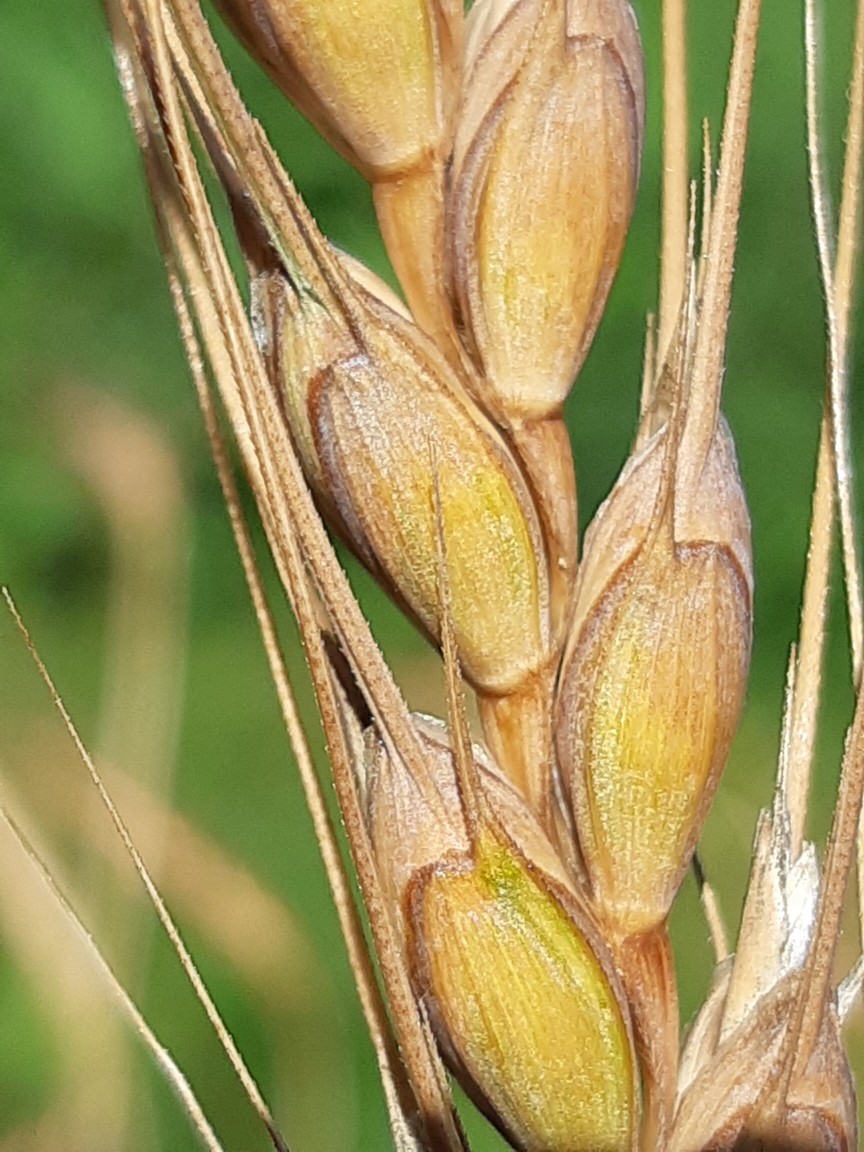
673	260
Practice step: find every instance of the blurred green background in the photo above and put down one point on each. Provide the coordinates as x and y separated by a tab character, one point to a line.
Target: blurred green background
114	542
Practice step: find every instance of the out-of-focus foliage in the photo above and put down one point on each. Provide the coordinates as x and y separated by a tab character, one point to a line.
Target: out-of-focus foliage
83	310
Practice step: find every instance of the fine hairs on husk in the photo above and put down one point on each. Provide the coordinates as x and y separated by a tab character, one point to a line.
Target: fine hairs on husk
512	823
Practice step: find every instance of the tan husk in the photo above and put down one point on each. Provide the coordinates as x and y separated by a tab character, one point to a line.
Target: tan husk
364	402
654	674
545	168
503	953
381	81
732	1063
720	1109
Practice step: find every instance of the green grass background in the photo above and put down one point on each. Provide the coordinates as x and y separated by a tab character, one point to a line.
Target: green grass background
83	303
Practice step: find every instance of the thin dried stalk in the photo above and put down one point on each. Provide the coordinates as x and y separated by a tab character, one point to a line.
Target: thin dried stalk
224	1036
160	1054
833	470
837	310
676	172
847	816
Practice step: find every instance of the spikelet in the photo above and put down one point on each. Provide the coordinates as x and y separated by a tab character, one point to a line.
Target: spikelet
381	82
655	664
367	399
364	404
654	672
503	954
651	687
749	1071
545	169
